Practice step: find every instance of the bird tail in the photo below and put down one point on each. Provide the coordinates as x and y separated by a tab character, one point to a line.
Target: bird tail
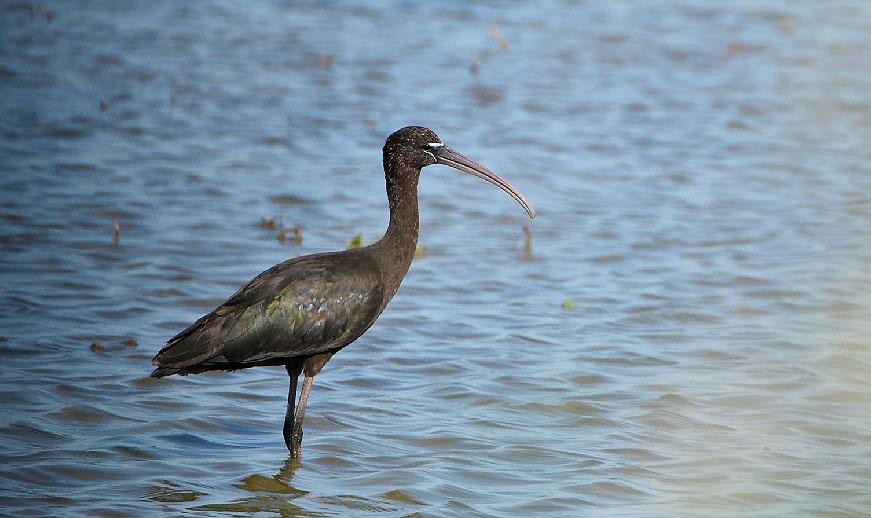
197	343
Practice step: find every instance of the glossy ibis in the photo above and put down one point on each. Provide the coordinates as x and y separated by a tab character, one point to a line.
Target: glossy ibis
299	313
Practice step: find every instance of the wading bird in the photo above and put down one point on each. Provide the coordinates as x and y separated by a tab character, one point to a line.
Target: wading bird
299	313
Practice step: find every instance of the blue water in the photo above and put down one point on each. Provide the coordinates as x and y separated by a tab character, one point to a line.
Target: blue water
688	335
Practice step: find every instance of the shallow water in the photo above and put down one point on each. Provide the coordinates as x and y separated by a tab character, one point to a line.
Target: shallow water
689	333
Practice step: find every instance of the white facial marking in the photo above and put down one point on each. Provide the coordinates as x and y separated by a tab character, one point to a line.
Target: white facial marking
435	144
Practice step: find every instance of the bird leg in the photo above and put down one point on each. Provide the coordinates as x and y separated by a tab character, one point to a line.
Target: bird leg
312	366
293	370
296	444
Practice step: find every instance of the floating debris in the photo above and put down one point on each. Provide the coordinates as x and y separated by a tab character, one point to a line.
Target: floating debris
285	234
98	347
268	224
420	251
116	238
104	106
475	67
48	14
499	38
567	304
356	242
527	246
737	48
325	60
478	59
296	238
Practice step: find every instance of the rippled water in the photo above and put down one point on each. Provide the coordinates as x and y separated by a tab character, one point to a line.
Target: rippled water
689	334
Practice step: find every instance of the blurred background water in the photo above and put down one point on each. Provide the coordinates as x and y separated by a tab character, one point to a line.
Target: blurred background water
690	333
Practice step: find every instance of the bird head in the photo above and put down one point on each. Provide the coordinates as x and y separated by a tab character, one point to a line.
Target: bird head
412	148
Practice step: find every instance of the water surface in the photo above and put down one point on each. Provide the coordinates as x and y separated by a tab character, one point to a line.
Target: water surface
689	334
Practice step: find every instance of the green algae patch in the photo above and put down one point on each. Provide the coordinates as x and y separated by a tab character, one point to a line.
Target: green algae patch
356	242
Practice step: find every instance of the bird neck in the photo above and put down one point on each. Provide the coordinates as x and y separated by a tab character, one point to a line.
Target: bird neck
399	243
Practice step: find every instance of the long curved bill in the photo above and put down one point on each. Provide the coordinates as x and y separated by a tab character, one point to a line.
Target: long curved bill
447	156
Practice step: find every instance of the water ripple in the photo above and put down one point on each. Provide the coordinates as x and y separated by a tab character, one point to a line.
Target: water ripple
687	335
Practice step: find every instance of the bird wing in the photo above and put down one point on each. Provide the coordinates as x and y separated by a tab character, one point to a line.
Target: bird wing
300	307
